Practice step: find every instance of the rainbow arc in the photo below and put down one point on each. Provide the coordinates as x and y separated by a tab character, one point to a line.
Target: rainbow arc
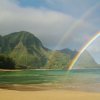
82	50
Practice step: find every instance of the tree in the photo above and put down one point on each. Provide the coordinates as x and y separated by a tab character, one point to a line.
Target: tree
6	62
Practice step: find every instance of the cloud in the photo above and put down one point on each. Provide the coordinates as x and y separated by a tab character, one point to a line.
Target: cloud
50	26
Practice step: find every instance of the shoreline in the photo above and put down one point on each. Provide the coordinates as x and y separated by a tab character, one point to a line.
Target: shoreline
9	70
45	87
13	70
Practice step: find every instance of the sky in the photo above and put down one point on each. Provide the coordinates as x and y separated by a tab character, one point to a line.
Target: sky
57	23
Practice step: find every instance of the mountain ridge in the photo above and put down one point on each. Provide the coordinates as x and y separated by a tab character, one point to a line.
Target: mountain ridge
86	61
28	51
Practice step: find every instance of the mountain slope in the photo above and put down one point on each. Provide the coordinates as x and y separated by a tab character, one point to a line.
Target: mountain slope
28	40
68	52
28	52
86	61
57	60
25	48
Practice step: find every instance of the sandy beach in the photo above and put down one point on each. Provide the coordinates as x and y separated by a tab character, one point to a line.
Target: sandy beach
47	95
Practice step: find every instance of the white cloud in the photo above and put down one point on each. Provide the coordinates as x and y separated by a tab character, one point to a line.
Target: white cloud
43	23
50	26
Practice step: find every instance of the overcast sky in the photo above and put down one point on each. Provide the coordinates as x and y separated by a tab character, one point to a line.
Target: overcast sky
57	23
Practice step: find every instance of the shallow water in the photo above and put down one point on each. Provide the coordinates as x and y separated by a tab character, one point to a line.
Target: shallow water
84	79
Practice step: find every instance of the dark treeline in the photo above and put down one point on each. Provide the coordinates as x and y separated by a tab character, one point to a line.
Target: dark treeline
6	62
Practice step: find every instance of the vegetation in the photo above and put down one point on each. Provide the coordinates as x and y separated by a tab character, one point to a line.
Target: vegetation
28	52
6	62
57	60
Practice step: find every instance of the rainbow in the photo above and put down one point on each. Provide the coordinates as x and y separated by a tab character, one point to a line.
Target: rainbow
82	50
77	23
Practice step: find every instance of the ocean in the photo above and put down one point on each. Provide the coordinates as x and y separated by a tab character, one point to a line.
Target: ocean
76	79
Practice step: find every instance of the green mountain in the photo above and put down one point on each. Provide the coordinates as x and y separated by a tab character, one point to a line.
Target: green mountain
68	52
25	49
57	60
28	52
86	61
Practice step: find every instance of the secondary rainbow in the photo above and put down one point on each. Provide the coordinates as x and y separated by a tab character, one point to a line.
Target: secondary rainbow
82	50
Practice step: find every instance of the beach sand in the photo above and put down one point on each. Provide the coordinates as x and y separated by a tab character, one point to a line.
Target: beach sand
47	95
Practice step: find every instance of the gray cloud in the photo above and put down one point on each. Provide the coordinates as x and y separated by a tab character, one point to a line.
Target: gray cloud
51	27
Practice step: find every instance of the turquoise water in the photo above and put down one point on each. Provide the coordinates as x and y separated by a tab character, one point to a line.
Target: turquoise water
86	79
